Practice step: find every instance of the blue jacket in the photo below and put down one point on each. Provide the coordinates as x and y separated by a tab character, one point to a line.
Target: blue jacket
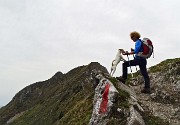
138	47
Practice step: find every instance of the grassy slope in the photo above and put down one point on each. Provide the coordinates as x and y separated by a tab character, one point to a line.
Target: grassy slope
61	102
164	65
66	101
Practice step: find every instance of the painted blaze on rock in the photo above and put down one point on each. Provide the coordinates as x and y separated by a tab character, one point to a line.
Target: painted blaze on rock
103	100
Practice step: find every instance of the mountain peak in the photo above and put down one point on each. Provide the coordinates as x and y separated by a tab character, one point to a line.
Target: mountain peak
58	75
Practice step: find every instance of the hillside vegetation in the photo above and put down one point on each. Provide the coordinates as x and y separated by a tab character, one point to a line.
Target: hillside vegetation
67	99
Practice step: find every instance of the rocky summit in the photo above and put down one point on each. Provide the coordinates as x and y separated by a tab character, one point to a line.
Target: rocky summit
88	95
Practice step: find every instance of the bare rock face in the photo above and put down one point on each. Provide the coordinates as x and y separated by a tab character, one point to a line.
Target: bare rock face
162	106
105	104
135	118
164	101
104	97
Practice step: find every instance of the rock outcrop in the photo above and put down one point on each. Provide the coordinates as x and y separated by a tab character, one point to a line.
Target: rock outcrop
106	103
104	98
164	101
162	106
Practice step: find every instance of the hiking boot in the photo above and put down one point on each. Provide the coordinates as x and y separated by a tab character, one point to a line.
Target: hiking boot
121	79
146	91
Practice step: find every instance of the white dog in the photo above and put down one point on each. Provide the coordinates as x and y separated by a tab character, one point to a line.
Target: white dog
115	62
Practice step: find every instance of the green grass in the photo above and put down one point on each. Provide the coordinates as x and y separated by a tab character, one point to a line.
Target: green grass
154	120
164	65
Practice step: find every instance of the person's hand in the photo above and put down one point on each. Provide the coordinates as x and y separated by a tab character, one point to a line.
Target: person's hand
132	49
126	53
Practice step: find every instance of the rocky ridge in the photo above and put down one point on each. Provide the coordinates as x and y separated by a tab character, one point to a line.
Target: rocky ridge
70	98
164	100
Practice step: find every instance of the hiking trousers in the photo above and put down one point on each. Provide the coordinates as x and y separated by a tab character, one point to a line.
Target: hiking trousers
141	62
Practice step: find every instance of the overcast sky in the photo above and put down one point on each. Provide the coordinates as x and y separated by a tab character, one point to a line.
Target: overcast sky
41	37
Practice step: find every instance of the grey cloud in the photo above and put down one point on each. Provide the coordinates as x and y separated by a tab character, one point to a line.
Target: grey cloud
40	37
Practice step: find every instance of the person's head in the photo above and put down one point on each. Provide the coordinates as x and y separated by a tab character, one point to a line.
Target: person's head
135	36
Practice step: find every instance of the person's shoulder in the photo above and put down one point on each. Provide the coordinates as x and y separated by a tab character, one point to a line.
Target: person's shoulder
139	40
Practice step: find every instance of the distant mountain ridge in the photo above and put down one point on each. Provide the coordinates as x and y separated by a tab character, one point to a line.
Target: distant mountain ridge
67	99
53	99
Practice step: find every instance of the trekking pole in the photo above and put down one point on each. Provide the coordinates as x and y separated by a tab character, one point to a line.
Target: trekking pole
135	66
130	65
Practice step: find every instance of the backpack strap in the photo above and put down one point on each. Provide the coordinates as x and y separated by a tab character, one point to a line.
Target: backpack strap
141	49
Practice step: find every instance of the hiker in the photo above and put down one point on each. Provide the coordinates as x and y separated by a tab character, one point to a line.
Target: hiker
138	60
